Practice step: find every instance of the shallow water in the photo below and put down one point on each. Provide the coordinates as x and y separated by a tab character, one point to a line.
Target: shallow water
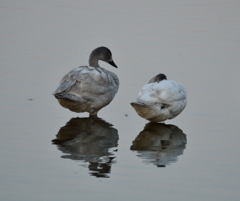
193	157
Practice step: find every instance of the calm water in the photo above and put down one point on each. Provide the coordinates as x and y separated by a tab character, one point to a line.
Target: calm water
120	156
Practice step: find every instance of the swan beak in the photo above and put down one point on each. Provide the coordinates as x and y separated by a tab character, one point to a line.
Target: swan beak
112	63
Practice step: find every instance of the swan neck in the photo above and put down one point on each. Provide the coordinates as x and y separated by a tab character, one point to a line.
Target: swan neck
93	61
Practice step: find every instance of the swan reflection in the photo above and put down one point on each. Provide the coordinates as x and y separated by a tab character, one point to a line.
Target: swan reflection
91	140
159	144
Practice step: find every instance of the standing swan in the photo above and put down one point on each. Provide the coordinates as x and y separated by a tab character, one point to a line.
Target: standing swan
89	88
160	99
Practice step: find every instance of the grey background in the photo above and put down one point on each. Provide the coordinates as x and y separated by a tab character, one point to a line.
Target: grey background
193	42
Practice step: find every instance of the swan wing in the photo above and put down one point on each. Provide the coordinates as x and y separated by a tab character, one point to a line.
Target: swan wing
165	91
88	81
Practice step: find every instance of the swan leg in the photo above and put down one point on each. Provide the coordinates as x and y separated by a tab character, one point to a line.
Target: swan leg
93	115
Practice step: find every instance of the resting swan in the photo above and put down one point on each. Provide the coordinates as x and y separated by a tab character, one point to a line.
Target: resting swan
160	99
89	88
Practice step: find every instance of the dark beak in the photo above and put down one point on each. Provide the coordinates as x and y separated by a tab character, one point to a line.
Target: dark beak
112	63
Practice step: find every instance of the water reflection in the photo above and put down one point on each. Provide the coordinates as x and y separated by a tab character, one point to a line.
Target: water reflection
91	140
159	144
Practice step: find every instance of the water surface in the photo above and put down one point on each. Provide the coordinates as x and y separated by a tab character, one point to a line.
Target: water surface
193	157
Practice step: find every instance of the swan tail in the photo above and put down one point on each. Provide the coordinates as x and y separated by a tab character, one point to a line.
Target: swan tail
66	96
138	105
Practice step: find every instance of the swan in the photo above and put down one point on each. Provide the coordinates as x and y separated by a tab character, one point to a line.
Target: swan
160	99
89	88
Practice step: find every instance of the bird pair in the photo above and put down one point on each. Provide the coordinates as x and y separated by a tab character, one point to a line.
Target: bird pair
90	88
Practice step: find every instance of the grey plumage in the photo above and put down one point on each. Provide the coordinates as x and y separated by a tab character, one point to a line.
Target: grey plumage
88	88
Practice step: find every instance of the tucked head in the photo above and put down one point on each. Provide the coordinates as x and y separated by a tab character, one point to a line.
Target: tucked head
103	54
158	78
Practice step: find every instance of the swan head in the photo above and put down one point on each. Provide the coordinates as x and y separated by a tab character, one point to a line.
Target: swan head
158	78
103	54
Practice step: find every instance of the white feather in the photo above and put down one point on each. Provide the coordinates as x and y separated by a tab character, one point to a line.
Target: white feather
160	101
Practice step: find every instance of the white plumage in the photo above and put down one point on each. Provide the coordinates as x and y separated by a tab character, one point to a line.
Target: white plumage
161	99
